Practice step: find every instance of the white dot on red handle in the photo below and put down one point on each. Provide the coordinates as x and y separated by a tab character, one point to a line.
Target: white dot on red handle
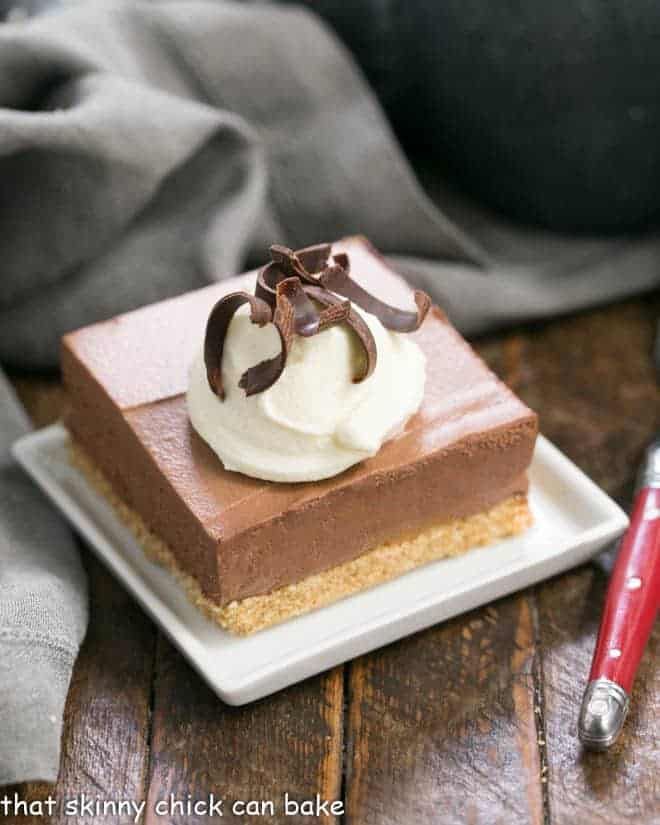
615	653
633	583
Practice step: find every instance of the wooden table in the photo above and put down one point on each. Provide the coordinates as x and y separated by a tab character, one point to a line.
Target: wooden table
469	722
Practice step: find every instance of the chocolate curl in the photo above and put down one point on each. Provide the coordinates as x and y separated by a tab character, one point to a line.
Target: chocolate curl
216	332
334	313
310	260
314	258
289	296
285	294
342	260
311	266
268	281
355	322
337	279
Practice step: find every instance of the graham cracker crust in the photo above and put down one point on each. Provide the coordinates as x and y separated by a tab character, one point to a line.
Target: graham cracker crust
382	563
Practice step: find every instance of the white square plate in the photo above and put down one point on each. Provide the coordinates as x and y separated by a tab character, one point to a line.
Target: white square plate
573	519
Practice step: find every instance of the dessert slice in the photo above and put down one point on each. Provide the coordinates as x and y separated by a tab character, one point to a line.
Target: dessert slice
252	552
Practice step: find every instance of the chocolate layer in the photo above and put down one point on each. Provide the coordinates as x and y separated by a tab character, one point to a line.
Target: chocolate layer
467	449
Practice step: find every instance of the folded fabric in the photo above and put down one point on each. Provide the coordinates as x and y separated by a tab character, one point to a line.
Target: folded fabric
43	614
147	149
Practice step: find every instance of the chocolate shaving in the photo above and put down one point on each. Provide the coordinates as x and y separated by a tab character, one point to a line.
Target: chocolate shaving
306	314
337	279
265	374
216	331
286	294
356	323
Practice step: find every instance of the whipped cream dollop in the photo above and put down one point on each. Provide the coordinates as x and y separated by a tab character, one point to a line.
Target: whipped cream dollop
314	421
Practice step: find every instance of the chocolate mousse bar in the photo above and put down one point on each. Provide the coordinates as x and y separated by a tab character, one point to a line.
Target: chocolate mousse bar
251	553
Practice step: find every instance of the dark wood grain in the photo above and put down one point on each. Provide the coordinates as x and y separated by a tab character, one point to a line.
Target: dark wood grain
105	748
289	743
43	398
105	744
442	726
592	380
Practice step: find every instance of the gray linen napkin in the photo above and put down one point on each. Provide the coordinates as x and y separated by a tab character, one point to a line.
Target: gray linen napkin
149	149
43	614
